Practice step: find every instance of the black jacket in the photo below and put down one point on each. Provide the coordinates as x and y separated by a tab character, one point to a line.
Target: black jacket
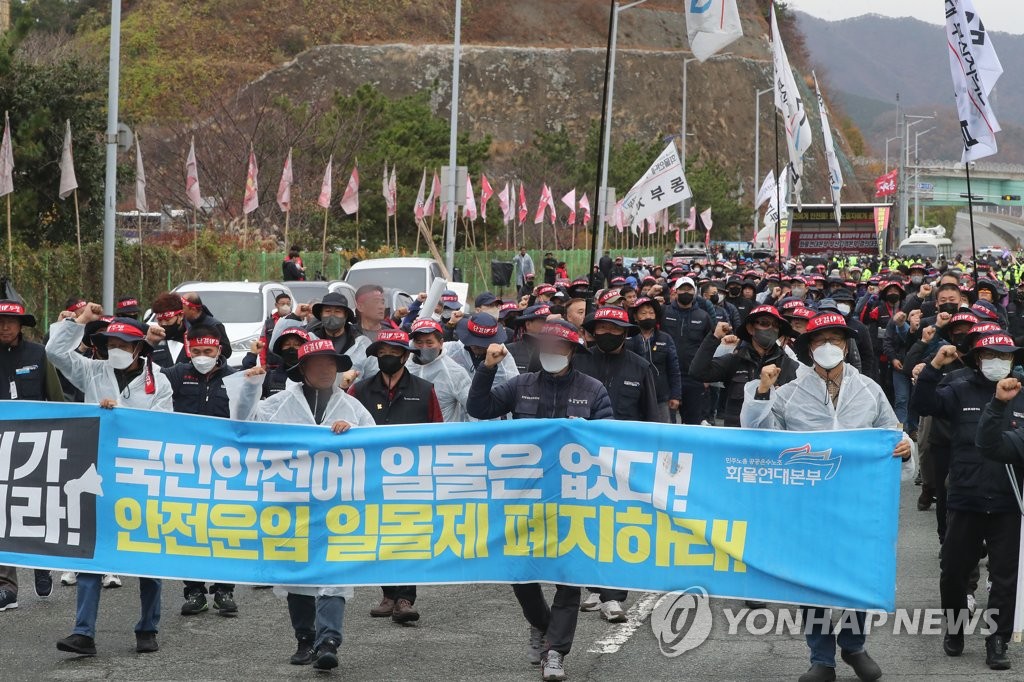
197	393
341	343
660	351
205	319
687	327
975	484
409	402
25	367
524	352
629	380
1001	433
538	395
737	369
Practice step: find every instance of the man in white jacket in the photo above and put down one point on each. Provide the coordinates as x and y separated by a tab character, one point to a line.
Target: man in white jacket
451	381
316	613
833	396
126	378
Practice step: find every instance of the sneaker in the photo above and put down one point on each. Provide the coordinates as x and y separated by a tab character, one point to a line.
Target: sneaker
972	603
8	600
384	609
553	669
995	653
863	665
44	583
303	653
405	612
145	642
224	602
327	654
195	603
111	581
612	612
592	602
68	578
818	673
535	649
78	644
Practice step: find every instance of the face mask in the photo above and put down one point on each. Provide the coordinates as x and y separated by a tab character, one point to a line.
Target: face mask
799	292
685	299
333	323
916	281
283	310
734	292
173	331
493	312
428	355
289	357
716	299
827	356
844	308
446	315
892	298
950	308
647	324
390	364
553	363
994	370
957	339
204	364
609	343
766	337
120	359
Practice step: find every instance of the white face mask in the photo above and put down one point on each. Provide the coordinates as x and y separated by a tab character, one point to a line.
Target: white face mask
203	363
120	359
284	309
799	292
827	356
553	363
997	369
844	308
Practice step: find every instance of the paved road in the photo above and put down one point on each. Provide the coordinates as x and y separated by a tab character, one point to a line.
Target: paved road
982	235
472	632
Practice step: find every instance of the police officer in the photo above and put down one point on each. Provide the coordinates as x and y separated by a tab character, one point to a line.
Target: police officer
557	391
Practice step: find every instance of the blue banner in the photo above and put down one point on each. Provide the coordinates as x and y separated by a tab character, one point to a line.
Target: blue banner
806	518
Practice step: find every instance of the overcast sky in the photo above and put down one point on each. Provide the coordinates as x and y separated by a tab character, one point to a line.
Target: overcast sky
998	15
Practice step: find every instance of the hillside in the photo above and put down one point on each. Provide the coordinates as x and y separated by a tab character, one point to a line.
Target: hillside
868	59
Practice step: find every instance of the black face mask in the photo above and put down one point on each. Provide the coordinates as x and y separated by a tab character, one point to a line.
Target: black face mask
289	357
390	364
609	343
950	308
647	324
685	299
734	292
892	298
957	339
174	331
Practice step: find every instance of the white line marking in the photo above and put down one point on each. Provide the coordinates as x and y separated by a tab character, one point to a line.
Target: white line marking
619	633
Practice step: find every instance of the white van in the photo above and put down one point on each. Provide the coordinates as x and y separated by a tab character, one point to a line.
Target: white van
409	275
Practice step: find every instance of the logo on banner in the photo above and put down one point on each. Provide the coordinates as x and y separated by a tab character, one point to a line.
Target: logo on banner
681	621
48	499
794	467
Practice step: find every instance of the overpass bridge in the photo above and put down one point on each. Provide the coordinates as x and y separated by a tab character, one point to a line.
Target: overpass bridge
944	183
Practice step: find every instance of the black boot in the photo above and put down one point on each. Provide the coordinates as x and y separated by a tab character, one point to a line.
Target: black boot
819	673
995	653
952	644
303	653
863	665
327	655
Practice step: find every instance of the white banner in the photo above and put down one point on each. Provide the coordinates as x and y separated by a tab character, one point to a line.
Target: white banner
975	69
835	173
711	25
791	105
663	185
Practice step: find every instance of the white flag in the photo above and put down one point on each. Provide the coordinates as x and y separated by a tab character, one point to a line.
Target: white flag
469	210
195	197
975	68
835	173
6	160
789	102
505	201
141	205
284	187
705	217
767	190
711	25
663	185
420	201
68	181
324	200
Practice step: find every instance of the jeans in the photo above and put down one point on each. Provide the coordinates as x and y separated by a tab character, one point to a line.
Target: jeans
901	387
818	630
88	604
330	612
557	622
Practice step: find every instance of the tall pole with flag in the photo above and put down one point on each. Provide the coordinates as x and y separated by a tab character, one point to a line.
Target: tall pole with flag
195	197
141	206
324	200
251	200
7	185
350	200
69	184
835	173
393	202
284	195
789	102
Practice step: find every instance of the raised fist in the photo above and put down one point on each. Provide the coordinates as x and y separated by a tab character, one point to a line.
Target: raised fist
496	352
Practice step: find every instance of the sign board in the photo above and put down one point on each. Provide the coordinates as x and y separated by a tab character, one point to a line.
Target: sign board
814	231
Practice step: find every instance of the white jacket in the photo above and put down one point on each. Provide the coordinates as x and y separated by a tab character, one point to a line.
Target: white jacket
96	379
451	384
463	356
804	405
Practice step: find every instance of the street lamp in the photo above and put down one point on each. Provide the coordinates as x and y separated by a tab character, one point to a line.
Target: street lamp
887	151
606	125
917	175
904	162
110	183
757	149
453	141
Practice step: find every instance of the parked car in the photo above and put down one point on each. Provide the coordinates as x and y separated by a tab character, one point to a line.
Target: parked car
407	275
241	306
312	291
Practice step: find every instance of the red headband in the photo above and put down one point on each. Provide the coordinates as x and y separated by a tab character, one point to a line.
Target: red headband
480	330
204	341
12	309
126	329
189	304
127	303
75	307
163	317
318	346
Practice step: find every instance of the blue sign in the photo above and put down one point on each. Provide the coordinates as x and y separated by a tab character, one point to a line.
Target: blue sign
807	518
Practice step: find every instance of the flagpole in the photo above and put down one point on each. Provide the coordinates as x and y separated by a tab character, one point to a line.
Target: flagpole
142	273
970	213
323	243
10	243
778	199
287	216
245	230
195	239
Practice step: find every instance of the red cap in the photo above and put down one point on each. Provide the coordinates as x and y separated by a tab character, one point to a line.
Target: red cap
426	326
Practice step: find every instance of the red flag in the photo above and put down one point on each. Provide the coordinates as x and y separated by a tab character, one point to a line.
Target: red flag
251	201
284	189
570	201
542	206
469	210
435	194
505	201
523	208
350	202
325	186
585	205
485	193
691	222
192	177
885	185
418	209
